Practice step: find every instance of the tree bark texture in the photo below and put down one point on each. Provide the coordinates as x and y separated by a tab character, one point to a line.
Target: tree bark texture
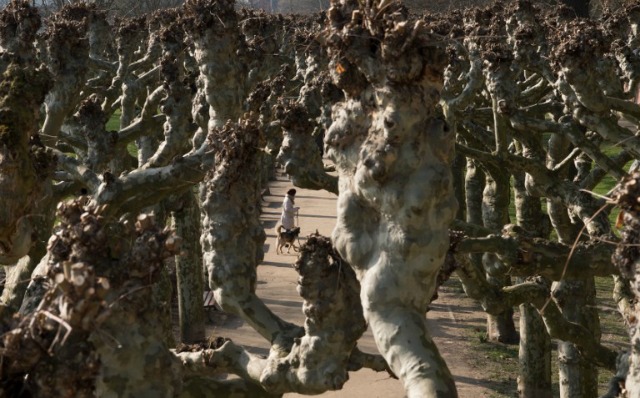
396	198
17	276
25	165
534	355
189	271
627	258
176	104
261	104
575	297
299	153
231	228
318	361
67	60
459	181
578	377
100	321
302	125
219	51
495	214
19	26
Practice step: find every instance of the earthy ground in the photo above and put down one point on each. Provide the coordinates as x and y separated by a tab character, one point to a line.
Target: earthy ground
453	320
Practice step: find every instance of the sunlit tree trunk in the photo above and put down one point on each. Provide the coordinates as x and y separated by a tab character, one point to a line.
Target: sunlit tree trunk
231	249
230	223
534	355
396	199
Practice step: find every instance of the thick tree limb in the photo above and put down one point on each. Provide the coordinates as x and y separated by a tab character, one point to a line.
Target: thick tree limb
535	256
134	191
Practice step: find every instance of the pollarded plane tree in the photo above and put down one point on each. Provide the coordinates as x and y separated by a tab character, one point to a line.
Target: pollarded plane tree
220	52
568	56
272	41
178	131
65	74
110	198
24	86
269	41
27	192
480	57
104	263
291	116
134	72
480	39
125	80
392	154
104	266
226	79
223	58
261	104
232	237
79	149
99	154
301	153
539	180
484	188
83	266
164	165
554	112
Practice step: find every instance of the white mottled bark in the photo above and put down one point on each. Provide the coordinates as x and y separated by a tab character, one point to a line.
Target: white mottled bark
319	361
396	197
231	230
219	50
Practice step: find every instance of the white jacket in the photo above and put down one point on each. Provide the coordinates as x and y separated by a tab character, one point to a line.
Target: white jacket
288	212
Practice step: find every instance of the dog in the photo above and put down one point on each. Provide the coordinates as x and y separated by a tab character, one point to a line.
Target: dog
287	238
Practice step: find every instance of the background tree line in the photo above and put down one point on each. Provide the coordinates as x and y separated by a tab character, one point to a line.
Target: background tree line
434	122
128	7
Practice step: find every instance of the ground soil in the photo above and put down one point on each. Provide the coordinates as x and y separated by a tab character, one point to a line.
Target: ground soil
454	320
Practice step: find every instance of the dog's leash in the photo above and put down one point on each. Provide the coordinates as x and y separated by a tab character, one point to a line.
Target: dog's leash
298	218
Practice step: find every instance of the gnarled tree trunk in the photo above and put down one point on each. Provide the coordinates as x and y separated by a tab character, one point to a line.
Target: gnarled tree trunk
396	198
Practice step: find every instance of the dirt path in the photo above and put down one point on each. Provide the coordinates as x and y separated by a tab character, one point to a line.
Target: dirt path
451	320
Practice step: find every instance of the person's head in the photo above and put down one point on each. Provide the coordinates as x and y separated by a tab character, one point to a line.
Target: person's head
291	192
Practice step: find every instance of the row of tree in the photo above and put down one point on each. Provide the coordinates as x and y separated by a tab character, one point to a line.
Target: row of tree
132	8
433	122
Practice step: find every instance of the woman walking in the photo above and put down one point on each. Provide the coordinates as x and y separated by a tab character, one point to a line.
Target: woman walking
289	210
